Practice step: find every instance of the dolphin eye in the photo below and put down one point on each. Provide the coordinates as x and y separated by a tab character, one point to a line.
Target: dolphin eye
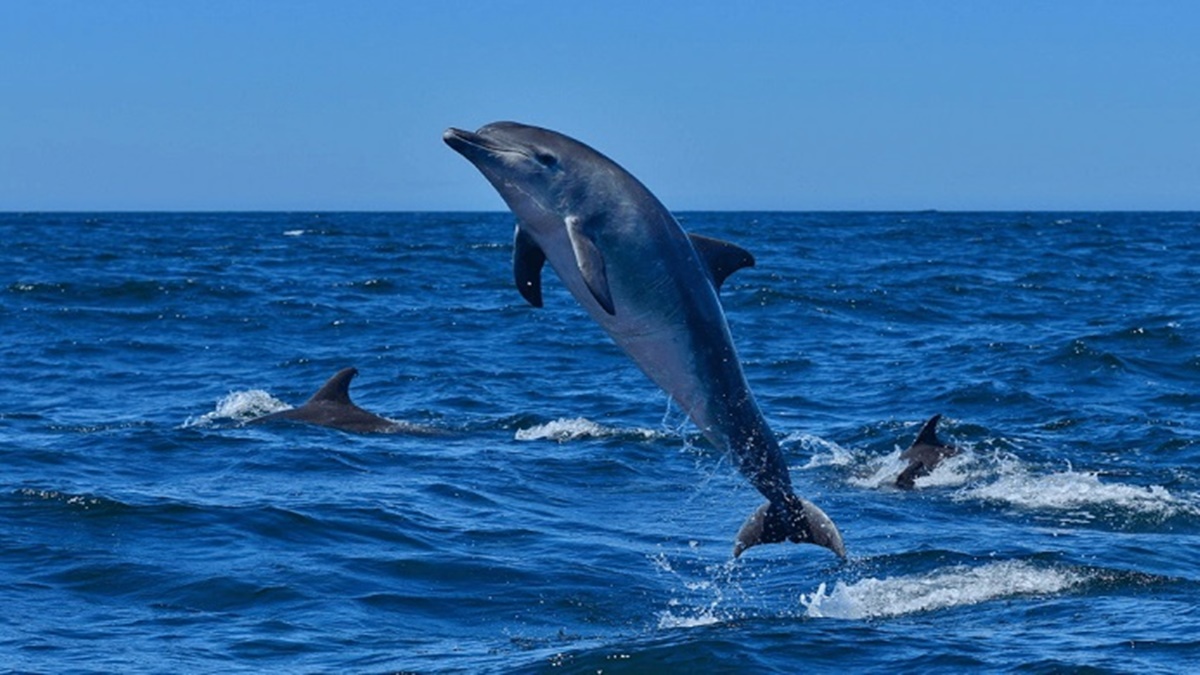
546	159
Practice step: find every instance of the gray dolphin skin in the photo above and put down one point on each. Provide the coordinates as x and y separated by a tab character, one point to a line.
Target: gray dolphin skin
924	454
653	289
331	407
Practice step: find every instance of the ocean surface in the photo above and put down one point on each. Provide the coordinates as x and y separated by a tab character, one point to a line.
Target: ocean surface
542	507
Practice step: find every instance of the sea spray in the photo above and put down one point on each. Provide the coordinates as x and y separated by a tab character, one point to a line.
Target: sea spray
956	586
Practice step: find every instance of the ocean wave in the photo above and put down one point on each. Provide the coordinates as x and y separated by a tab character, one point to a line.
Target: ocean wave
43	287
706	616
1001	477
501	555
956	586
576	428
821	452
81	501
1082	494
116	296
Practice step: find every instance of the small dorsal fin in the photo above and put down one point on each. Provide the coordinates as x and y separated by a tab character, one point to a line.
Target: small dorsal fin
337	388
928	434
590	262
528	260
721	258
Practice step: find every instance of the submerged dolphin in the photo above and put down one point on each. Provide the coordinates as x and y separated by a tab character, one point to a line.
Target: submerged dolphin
653	289
924	454
331	407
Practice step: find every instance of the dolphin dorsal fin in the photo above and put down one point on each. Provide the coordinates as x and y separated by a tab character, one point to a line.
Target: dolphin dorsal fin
590	262
337	388
928	435
720	257
528	260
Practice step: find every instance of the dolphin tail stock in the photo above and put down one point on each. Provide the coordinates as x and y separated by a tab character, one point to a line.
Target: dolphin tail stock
907	480
791	519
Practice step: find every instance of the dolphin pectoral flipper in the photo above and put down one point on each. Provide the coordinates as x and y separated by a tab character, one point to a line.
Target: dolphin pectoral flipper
590	262
794	519
528	260
721	258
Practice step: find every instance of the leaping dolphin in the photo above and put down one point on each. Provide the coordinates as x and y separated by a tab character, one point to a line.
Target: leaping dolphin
331	407
653	289
924	454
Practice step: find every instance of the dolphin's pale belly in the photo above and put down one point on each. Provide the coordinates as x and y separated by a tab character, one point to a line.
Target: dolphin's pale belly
668	319
673	328
690	355
682	372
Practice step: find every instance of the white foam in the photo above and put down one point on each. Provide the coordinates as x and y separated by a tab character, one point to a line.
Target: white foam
1075	491
1003	478
563	430
704	593
822	452
880	472
952	471
86	501
874	472
956	586
682	615
239	406
706	617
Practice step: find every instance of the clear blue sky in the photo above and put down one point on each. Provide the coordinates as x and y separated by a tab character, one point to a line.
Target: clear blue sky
280	105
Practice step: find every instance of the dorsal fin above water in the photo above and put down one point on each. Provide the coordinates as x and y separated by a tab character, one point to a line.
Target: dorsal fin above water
337	388
528	260
721	258
928	435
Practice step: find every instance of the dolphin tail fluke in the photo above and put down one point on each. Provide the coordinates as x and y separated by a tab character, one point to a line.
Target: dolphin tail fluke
793	519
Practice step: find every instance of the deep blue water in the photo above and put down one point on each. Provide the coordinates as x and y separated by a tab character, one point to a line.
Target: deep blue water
545	509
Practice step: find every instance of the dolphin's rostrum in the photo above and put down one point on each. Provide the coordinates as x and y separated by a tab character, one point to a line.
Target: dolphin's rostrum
653	288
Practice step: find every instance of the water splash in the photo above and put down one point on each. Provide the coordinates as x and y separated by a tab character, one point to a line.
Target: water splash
875	473
1003	478
956	586
821	452
704	589
563	430
239	406
1080	492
